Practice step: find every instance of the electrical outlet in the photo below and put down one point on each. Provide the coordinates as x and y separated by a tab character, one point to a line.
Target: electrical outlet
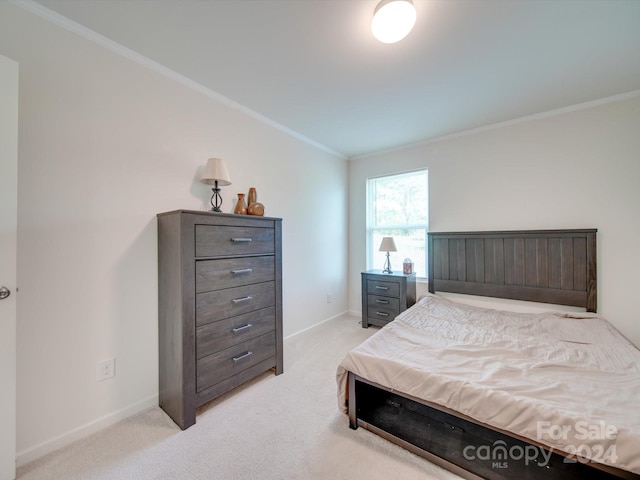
328	298
106	369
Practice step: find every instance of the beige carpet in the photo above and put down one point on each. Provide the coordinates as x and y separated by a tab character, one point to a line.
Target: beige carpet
285	427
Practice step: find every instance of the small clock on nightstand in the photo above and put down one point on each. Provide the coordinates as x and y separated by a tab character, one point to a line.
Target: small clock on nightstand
385	296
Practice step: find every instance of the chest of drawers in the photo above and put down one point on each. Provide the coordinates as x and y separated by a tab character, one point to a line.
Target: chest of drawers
385	296
219	306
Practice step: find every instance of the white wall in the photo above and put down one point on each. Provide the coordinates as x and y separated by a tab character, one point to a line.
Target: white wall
573	170
104	145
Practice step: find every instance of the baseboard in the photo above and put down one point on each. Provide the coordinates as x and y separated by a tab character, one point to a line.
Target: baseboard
32	453
316	325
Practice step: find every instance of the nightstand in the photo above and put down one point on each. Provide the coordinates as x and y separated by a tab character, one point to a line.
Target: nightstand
385	296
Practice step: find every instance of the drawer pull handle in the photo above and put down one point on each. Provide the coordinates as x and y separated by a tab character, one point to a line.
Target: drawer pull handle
244	355
243	299
241	240
243	270
237	329
383	314
385	302
382	288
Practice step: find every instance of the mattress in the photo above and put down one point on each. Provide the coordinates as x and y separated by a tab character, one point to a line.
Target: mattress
566	380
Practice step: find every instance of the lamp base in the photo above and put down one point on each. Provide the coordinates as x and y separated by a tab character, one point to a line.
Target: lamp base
216	199
387	265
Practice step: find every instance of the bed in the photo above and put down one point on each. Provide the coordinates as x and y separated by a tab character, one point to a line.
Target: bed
501	395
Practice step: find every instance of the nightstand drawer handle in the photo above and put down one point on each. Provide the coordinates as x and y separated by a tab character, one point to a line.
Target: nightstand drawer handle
241	240
243	299
385	302
384	314
382	288
244	355
237	329
243	270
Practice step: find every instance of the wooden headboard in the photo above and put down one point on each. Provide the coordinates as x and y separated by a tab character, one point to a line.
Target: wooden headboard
549	266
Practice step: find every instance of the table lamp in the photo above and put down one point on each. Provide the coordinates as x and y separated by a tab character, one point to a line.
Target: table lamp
216	174
387	245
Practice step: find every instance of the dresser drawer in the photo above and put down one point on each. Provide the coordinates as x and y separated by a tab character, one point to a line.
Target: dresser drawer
224	241
231	361
214	306
217	336
387	303
233	272
377	287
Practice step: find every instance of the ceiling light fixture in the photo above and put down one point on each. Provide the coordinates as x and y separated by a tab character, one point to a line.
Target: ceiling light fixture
393	20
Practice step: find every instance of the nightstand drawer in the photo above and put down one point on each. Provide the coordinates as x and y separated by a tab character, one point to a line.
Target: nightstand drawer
224	241
217	336
387	303
389	289
383	313
233	272
226	363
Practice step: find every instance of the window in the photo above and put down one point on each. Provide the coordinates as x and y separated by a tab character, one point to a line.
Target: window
397	206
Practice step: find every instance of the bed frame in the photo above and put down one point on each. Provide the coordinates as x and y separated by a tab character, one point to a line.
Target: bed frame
549	266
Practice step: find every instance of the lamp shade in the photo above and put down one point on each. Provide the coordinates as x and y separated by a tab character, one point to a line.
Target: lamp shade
215	170
393	20
387	245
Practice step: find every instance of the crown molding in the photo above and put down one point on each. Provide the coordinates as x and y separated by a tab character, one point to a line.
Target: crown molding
119	49
507	123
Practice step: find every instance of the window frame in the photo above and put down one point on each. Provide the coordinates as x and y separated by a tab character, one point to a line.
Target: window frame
370	228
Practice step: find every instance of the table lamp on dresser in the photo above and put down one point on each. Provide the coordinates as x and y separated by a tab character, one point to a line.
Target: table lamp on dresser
216	174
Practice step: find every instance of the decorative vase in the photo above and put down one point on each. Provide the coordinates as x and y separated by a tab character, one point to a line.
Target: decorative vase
241	205
254	208
257	209
252	197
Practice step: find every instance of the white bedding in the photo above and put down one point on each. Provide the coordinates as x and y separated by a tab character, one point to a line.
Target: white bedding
566	380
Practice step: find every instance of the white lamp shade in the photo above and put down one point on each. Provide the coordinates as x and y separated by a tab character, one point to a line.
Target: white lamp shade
216	170
393	20
387	245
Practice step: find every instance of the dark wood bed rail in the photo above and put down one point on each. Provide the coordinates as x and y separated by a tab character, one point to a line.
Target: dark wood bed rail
440	435
549	266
